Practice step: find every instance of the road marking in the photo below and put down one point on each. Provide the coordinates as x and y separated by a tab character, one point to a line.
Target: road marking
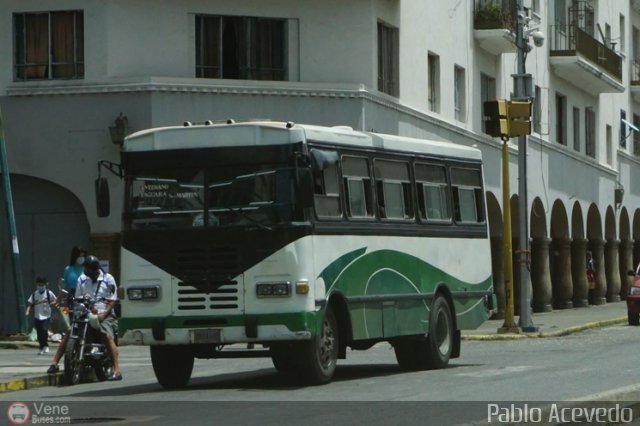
497	371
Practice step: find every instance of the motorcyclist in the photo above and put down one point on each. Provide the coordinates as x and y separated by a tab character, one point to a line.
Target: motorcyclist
101	286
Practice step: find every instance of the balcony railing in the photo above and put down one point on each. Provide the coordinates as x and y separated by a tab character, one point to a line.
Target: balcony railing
569	40
494	14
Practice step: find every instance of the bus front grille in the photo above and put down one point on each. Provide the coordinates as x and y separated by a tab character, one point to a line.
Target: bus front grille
207	295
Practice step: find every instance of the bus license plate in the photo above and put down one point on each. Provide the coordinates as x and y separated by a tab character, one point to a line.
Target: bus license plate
209	335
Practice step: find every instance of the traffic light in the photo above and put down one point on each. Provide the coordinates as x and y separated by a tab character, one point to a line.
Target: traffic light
496	121
506	119
519	113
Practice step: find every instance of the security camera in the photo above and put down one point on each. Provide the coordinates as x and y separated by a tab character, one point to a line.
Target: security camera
538	38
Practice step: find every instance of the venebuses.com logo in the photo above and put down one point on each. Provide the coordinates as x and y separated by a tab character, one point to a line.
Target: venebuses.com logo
18	413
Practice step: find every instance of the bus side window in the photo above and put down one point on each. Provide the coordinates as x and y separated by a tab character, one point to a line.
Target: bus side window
357	187
326	191
393	188
433	192
467	195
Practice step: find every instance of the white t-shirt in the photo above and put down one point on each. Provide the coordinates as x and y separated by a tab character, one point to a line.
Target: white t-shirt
41	306
104	288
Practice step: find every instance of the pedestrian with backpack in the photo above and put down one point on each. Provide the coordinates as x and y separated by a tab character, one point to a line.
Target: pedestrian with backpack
41	300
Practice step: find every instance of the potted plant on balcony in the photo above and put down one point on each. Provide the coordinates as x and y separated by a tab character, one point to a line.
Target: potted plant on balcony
489	16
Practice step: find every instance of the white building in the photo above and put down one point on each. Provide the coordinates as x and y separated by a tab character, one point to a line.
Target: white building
406	67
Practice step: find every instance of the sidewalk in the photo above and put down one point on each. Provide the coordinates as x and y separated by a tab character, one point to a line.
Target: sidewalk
556	323
21	368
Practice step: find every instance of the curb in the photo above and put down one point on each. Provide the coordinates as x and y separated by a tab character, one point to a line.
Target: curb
31	382
557	333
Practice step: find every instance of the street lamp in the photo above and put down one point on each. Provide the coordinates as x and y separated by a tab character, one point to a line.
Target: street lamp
119	129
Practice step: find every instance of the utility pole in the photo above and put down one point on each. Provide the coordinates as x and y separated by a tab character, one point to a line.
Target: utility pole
520	93
17	271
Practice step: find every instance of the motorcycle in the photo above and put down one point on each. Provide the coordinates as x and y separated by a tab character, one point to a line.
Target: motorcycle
85	351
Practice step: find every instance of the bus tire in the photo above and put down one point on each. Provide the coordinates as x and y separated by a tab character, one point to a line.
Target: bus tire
408	353
282	357
440	341
318	356
172	365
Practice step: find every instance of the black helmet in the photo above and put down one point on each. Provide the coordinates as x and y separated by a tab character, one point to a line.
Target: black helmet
92	267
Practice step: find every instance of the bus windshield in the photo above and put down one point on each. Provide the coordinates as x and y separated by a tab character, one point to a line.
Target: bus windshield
227	196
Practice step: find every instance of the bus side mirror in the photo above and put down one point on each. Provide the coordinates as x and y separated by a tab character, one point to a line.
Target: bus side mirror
304	191
102	197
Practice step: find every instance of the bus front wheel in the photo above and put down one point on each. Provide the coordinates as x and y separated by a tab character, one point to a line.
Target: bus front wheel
172	365
319	355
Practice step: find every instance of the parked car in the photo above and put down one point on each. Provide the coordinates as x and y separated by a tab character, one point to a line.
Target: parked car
633	298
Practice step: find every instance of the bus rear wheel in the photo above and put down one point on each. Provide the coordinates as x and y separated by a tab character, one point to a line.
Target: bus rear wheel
318	356
434	350
172	365
439	345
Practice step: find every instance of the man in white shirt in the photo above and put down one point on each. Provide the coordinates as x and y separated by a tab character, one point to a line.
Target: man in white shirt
102	286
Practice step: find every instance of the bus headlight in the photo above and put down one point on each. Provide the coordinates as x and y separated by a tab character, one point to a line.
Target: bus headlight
143	293
280	289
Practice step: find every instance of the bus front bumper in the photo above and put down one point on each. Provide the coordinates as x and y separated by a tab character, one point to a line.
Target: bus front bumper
193	330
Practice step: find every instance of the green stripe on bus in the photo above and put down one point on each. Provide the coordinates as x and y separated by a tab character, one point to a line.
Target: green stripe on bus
384	272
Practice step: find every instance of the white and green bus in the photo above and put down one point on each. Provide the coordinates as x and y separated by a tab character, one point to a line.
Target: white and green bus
298	242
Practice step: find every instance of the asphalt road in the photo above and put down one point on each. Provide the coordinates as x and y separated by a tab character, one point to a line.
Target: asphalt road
368	388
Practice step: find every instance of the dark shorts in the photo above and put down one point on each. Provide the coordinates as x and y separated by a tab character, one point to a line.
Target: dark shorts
109	326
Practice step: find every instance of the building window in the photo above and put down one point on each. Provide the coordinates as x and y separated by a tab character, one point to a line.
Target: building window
609	146
487	93
561	119
560	12
48	45
623	31
623	129
636	135
576	129
241	48
434	82
590	132
460	95
537	111
388	59
535	6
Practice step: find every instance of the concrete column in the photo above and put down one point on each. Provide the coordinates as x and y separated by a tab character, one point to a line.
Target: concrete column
497	263
579	272
626	265
636	253
562	281
540	275
612	270
597	249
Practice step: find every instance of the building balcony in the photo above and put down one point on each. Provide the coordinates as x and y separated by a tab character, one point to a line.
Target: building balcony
494	23
579	58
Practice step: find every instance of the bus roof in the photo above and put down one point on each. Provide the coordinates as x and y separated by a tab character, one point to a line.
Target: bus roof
254	133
